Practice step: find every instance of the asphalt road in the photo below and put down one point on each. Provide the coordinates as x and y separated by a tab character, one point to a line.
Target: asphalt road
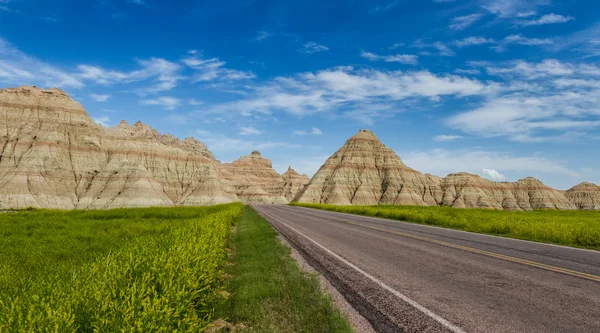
406	277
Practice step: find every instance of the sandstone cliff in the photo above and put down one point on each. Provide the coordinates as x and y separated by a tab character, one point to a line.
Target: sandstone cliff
53	155
254	179
366	172
585	196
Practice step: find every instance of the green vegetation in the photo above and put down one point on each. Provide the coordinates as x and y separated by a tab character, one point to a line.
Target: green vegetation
571	228
268	291
122	270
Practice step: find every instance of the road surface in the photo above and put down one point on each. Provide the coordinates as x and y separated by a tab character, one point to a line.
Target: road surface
406	277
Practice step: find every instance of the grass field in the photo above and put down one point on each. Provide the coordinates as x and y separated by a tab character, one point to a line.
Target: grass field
268	291
571	228
130	270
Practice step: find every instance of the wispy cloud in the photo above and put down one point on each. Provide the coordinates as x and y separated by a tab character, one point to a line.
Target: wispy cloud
18	68
262	35
360	94
513	8
407	59
99	98
222	143
103	120
249	130
312	47
463	22
313	131
474	40
441	48
548	19
520	40
167	102
447	138
213	69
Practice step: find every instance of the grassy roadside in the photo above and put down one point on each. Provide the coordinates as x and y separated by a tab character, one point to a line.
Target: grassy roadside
268	291
570	228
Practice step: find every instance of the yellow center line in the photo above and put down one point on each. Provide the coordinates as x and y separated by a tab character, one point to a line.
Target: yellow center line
486	253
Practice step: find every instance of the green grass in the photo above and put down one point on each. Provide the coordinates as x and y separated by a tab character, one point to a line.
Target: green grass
129	270
268	291
570	228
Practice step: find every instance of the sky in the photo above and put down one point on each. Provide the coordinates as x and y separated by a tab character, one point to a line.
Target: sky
502	88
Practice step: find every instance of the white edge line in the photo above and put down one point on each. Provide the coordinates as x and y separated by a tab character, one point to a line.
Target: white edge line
396	293
454	230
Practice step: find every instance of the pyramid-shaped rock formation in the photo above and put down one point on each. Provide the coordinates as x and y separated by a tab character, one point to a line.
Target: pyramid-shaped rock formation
54	156
585	196
366	172
254	179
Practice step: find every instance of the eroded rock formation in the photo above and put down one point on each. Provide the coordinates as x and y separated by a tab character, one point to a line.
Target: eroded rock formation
585	196
54	156
254	179
293	182
366	172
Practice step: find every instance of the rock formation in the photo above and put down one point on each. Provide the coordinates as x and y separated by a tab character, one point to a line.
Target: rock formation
464	190
54	156
585	196
254	179
366	172
293	182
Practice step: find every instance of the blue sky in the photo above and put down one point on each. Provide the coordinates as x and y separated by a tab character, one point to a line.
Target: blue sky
501	88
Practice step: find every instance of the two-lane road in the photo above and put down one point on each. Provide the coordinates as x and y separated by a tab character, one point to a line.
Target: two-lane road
412	278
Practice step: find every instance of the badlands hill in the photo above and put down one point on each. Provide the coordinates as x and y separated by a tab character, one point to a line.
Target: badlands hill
585	196
365	172
55	156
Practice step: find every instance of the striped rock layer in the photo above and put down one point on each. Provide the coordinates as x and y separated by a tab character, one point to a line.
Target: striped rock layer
53	155
585	196
254	179
293	182
365	172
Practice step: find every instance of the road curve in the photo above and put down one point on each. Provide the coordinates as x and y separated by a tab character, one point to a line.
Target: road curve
407	277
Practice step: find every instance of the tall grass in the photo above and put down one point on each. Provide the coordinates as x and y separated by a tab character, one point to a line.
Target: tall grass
134	270
571	228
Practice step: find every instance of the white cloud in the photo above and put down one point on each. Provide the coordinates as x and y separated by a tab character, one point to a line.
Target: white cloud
443	49
442	162
520	40
261	35
312	47
249	131
513	8
463	22
348	90
169	103
446	138
493	174
474	40
194	102
103	120
222	143
313	131
407	59
163	73
99	98
548	19
18	68
467	71
214	69
528	70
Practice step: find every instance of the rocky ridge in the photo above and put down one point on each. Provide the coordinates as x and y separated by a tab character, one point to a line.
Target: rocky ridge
585	196
53	155
365	172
